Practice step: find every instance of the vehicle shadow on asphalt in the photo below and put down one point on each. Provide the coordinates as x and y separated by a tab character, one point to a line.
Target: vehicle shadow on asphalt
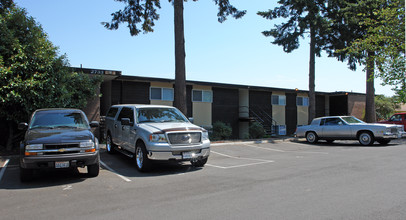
41	178
346	143
126	166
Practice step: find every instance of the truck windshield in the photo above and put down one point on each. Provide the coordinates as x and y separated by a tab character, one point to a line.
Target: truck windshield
159	115
50	120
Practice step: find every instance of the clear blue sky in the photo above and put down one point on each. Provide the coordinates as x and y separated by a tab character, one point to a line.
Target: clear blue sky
233	52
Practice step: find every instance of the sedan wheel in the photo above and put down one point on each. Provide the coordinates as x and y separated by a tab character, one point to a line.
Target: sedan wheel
311	137
366	138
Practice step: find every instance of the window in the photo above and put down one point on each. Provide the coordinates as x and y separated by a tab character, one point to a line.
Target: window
165	94
202	96
112	112
302	101
278	100
126	113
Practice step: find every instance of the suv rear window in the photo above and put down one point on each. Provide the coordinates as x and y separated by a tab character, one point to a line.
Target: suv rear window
112	112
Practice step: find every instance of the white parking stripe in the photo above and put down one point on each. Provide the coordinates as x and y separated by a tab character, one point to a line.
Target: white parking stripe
3	168
290	151
240	158
109	168
261	161
264	148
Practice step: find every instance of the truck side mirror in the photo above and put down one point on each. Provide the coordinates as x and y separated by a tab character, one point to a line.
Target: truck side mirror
126	121
191	120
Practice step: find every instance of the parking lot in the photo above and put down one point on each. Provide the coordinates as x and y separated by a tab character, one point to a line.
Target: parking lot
268	180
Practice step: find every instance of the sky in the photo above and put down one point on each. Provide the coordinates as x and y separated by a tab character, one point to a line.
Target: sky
234	52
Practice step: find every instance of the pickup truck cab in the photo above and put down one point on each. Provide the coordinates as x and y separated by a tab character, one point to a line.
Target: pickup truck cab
155	133
398	118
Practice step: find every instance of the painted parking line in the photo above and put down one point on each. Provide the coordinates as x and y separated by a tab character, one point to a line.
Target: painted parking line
3	168
284	151
113	171
260	161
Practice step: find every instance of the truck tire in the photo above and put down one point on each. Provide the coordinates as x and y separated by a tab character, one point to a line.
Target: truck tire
109	144
142	162
199	162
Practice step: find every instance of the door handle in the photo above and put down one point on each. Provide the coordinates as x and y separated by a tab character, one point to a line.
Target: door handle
115	126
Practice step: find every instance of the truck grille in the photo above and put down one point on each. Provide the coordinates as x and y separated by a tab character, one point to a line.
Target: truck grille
59	146
51	149
184	138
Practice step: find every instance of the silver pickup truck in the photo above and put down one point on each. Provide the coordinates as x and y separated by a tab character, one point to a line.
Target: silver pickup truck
155	133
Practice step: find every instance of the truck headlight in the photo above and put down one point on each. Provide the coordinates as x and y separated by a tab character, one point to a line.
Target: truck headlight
205	135
157	138
87	144
34	147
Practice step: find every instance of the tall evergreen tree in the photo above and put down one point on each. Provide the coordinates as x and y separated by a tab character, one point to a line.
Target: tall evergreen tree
353	41
304	18
144	12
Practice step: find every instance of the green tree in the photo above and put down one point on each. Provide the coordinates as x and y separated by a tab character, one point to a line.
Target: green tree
359	37
140	15
304	18
385	106
385	37
32	74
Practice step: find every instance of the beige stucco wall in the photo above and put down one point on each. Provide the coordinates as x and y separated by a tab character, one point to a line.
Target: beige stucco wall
278	111
302	115
278	114
161	85
302	112
202	114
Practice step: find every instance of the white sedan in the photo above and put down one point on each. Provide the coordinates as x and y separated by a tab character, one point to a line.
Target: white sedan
349	128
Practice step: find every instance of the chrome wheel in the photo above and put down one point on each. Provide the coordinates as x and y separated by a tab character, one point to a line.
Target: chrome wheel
109	145
366	138
139	157
311	137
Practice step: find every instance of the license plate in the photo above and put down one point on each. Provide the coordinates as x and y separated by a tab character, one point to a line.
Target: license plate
189	155
62	164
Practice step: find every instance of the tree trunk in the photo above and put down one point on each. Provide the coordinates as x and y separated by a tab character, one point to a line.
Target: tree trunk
370	115
180	69
312	94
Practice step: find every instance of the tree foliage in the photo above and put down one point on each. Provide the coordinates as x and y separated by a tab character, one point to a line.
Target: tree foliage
140	16
32	74
384	29
303	18
385	106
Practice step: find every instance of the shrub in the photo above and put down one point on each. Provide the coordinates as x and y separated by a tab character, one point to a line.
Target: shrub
257	130
221	131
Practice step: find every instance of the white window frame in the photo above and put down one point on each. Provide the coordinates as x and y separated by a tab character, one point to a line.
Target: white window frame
203	95
303	101
163	89
281	100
